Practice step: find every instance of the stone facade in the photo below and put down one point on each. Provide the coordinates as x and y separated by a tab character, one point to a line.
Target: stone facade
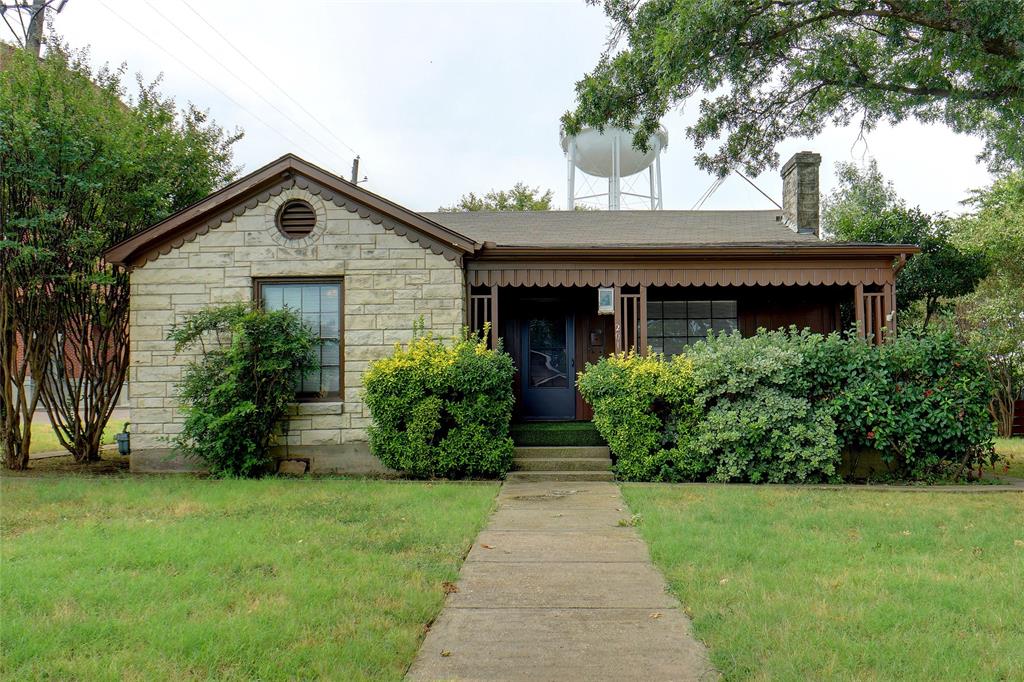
388	283
800	193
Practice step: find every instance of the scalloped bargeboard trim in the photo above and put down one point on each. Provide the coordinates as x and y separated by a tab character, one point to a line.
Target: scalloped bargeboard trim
316	189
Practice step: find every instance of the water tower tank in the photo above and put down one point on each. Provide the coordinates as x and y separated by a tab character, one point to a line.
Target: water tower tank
610	154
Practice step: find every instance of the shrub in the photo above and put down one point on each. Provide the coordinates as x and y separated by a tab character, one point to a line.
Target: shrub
781	406
442	409
759	422
644	408
237	393
921	400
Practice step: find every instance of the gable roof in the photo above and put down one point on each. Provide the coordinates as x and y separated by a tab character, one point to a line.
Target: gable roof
270	180
581	229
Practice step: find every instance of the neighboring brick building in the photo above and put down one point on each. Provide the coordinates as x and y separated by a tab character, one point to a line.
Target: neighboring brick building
362	270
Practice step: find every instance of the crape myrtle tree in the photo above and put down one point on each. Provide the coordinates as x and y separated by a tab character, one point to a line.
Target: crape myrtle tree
766	70
83	166
864	207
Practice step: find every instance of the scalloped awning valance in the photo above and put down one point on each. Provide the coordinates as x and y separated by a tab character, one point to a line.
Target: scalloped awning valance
757	273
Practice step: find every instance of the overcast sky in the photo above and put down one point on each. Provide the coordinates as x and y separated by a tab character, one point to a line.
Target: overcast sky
441	99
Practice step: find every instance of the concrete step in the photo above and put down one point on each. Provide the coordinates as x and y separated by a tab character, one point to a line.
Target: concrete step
534	476
563	452
563	464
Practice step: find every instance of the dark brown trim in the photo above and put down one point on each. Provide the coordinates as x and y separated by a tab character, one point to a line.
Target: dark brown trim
257	297
271	180
631	254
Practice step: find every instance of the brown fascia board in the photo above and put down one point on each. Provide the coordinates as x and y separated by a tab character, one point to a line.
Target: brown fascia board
492	252
194	218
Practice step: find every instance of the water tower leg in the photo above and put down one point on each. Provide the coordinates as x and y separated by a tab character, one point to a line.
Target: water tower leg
570	200
613	181
650	186
657	163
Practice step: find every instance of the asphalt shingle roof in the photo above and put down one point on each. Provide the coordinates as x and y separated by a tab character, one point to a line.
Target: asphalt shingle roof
623	228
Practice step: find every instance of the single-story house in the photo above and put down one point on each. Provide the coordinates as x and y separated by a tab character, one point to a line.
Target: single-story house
561	288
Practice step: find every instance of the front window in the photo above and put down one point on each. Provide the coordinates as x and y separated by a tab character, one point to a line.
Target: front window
673	325
318	303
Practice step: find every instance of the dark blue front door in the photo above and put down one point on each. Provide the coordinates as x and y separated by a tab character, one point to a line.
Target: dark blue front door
547	363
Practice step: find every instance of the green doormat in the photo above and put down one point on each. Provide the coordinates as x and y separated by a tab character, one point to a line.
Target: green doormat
556	433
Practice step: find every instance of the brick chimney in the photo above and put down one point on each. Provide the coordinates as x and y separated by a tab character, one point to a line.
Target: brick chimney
800	197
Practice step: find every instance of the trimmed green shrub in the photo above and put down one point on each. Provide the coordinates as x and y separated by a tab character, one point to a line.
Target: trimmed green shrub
921	400
644	407
781	406
235	396
442	409
759	422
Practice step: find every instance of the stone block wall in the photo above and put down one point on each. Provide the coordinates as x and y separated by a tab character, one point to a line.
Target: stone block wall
388	283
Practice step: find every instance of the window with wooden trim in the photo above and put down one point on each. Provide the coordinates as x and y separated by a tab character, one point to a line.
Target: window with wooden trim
319	303
673	325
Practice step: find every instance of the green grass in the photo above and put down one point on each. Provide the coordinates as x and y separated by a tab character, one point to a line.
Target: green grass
180	578
45	440
788	584
1011	452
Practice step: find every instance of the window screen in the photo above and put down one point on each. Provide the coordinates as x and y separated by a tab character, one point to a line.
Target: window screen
319	305
673	325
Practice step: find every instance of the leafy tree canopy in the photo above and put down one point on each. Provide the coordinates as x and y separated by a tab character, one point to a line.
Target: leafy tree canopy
767	70
992	318
866	208
522	197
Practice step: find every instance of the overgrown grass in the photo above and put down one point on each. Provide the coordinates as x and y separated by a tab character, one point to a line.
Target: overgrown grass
1011	452
179	578
788	584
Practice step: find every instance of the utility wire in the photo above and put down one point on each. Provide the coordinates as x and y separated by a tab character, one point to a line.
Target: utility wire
202	77
271	80
708	192
757	188
241	79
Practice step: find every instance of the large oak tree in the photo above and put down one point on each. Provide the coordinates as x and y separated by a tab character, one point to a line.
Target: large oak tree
766	70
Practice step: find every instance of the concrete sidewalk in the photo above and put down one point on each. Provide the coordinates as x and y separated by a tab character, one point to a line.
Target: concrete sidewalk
555	589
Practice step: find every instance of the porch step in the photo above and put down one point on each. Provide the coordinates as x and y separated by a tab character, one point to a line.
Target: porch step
563	452
536	476
563	464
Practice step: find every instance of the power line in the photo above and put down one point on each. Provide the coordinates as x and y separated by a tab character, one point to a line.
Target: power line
241	79
708	192
271	80
757	188
203	78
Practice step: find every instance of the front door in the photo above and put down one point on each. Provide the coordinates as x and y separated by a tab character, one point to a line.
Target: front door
547	363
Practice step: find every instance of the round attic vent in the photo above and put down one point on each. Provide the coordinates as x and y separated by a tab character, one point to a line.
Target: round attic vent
296	219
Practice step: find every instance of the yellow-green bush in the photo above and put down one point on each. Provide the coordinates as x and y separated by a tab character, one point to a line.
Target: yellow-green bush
442	409
645	407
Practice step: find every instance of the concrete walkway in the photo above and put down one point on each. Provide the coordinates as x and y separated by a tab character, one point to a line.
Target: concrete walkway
556	589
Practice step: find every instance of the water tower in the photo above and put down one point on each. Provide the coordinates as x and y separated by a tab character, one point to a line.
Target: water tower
611	154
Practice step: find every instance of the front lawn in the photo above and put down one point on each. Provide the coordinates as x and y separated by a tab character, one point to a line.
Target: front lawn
1011	454
817	584
179	578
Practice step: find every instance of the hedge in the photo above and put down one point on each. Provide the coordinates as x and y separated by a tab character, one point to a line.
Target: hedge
782	406
442	409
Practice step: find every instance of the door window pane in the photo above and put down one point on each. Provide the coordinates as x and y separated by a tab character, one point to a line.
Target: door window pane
549	364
